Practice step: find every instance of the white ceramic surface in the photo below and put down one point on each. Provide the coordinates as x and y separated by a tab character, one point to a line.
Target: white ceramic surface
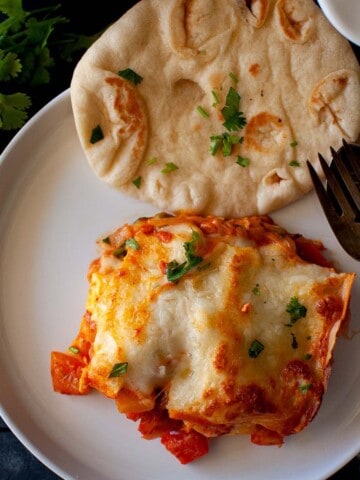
344	15
52	210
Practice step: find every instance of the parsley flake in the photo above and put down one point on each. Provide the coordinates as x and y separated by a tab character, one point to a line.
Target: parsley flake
132	243
233	77
96	135
202	112
294	163
130	75
234	119
255	349
296	310
169	167
73	350
175	270
294	143
305	387
137	182
118	369
256	289
242	161
216	98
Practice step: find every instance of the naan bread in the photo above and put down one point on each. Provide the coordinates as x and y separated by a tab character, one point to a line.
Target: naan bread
299	85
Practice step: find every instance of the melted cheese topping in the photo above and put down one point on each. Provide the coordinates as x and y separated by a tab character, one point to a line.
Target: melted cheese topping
192	339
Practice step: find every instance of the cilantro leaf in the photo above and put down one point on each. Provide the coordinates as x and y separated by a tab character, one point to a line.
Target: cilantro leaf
13	108
175	270
130	75
234	119
296	310
12	8
10	65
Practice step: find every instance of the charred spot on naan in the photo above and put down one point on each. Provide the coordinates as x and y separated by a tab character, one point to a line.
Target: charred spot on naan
295	19
335	100
266	133
200	28
254	12
123	122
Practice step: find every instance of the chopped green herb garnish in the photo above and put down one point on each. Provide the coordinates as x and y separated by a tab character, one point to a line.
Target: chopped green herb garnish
118	369
294	143
120	252
96	135
74	350
294	342
242	161
233	77
255	349
202	112
152	160
225	141
305	387
296	310
233	118
130	75
256	289
137	182
106	240
294	163
169	167
175	270
216	98
132	243
307	356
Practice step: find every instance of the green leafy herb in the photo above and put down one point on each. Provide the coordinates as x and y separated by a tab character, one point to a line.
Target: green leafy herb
13	112
234	119
10	65
294	163
216	98
256	289
305	387
106	240
307	356
130	75
294	143
121	251
137	182
233	77
28	52
169	167
202	112
74	350
242	161
225	141
255	349
118	369
296	310
175	270
132	243
152	160
96	135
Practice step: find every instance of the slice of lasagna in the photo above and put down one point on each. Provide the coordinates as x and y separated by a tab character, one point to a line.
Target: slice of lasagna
202	326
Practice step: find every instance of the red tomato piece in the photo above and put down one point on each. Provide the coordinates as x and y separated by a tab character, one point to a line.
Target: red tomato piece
186	446
66	372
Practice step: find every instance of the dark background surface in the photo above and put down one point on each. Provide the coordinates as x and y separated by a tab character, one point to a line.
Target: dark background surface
16	462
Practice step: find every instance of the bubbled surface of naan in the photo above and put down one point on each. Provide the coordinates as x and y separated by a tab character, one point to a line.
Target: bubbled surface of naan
297	77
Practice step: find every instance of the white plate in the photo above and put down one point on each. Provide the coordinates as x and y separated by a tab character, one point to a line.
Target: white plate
344	15
52	210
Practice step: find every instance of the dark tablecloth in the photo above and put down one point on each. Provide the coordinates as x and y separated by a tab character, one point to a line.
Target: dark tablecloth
16	462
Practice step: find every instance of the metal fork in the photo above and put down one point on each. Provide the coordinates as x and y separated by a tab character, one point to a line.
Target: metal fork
341	198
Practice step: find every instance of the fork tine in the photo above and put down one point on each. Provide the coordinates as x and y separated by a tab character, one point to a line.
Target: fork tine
325	202
333	183
353	158
346	177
